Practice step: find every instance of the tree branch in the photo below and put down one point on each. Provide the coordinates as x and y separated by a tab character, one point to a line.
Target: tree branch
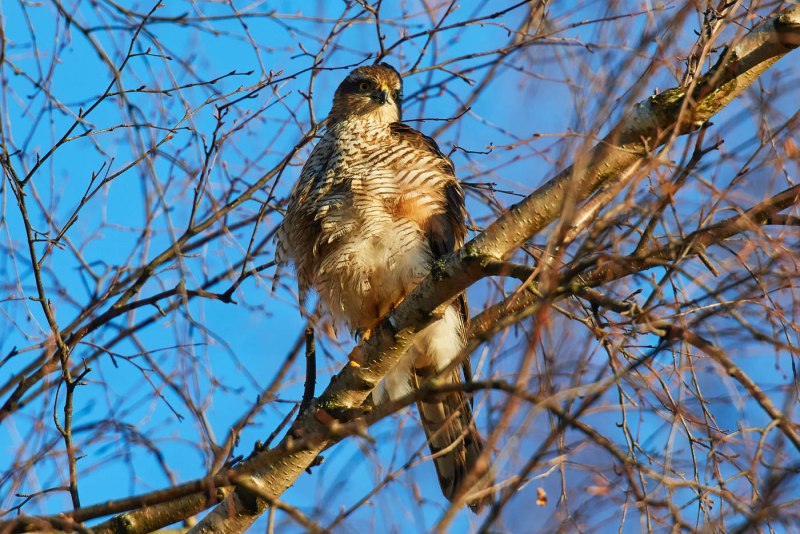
649	124
262	479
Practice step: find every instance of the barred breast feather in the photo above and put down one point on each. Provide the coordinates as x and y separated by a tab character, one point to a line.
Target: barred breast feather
376	203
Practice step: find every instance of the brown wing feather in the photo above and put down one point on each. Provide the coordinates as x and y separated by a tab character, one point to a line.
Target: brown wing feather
297	232
446	231
449	229
420	141
447	419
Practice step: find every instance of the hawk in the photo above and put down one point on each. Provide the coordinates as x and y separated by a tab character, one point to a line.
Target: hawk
375	205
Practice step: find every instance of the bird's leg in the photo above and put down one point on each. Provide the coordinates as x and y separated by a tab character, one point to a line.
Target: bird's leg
356	357
363	334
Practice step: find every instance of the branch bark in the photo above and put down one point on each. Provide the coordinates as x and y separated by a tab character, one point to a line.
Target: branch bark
264	477
648	125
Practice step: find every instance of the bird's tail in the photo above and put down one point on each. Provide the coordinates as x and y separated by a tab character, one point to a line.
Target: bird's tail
456	445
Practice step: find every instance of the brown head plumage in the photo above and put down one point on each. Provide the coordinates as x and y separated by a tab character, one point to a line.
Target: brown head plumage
373	92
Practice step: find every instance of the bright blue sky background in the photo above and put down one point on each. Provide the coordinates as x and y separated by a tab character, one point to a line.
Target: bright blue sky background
538	91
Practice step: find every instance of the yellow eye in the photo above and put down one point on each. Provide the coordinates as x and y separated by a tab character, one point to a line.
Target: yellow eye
363	86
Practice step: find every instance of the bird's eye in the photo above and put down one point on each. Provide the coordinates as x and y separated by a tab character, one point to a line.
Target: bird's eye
363	86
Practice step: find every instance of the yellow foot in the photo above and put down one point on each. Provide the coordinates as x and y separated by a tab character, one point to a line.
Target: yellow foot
356	357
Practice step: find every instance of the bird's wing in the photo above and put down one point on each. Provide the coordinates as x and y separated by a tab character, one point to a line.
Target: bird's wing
296	235
447	418
447	231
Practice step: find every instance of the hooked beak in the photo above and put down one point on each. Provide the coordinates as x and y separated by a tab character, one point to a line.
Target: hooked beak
381	96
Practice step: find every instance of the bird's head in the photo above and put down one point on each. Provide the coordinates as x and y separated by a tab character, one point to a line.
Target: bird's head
373	92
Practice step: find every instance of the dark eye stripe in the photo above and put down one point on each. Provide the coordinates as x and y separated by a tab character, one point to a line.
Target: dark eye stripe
353	86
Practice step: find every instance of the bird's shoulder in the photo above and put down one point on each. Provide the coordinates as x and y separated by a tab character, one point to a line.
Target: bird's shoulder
422	143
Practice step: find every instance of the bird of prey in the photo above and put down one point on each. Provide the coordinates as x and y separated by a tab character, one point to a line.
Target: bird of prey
375	205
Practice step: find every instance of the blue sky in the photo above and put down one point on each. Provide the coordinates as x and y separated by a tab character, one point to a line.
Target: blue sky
241	346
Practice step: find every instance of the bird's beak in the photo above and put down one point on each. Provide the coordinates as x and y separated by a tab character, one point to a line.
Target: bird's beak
381	96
